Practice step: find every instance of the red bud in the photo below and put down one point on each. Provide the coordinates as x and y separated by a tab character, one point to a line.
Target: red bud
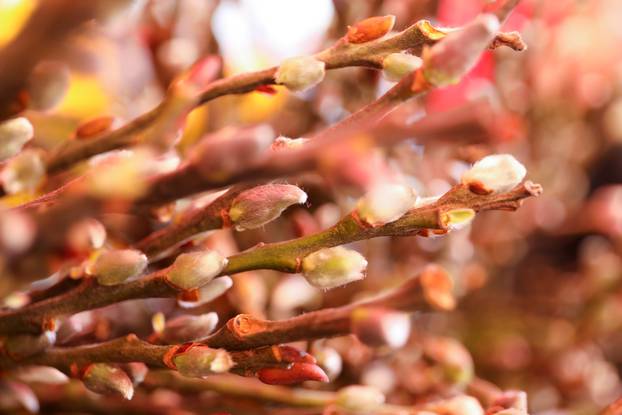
95	126
296	373
290	354
370	29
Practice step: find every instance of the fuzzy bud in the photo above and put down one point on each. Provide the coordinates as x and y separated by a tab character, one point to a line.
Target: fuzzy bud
195	269
359	399
370	29
209	292
255	207
199	361
24	345
457	218
41	374
108	380
333	267
14	133
286	143
136	371
187	328
494	174
459	405
398	65
454	56
385	202
115	266
23	173
330	360
47	85
438	287
379	327
300	73
85	236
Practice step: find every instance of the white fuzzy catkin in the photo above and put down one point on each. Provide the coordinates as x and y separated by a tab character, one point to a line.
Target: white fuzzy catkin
195	269
333	267
496	173
398	65
23	173
14	133
116	266
386	202
300	73
359	399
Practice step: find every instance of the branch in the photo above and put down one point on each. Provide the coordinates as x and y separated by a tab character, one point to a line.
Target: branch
282	256
245	332
342	54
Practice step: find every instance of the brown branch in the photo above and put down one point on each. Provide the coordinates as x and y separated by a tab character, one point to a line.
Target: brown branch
342	54
245	332
281	256
130	348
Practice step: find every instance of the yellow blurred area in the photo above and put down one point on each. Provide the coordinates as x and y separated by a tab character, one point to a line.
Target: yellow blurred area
85	98
13	14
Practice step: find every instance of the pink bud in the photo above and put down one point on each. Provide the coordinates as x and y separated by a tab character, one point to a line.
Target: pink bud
296	373
255	207
456	54
108	380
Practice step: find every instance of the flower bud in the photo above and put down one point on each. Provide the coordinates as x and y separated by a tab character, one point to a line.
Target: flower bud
438	287
386	202
370	29
452	357
86	235
41	374
136	371
23	173
300	73
115	266
188	328
459	405
329	360
14	133
47	84
24	345
209	292
199	361
458	52
286	143
333	267
255	207
457	218
494	174
297	372
107	379
195	269
398	65
379	327
359	399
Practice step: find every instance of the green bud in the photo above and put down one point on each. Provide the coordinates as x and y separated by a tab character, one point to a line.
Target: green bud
115	266
200	361
333	267
195	269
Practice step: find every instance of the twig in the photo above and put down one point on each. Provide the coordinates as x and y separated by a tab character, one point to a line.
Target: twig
281	256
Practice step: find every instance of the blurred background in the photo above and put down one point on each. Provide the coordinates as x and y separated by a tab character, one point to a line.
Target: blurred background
541	288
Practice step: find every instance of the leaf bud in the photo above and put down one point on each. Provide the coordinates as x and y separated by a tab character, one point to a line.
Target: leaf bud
333	267
195	269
